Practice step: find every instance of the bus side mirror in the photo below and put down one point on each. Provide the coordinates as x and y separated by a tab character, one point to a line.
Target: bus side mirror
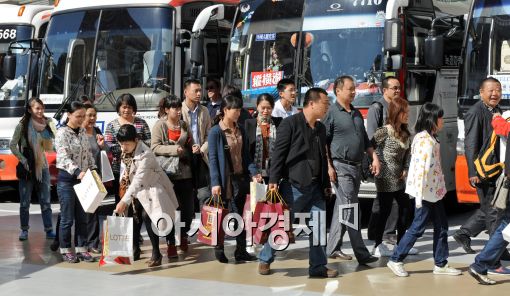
434	50
9	66
393	36
197	50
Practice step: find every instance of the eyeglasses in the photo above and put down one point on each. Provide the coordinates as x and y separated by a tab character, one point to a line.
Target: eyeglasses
395	88
211	87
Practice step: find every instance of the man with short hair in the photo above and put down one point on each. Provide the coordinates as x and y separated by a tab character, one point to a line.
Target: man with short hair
284	107
477	130
299	157
376	118
347	141
199	122
214	96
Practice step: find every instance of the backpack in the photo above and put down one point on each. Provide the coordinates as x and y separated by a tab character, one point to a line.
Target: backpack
366	162
487	163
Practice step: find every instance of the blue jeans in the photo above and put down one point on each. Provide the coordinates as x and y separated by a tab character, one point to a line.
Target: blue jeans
440	246
70	211
43	191
489	256
307	199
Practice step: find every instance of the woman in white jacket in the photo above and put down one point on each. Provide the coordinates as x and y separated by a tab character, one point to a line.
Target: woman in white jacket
425	182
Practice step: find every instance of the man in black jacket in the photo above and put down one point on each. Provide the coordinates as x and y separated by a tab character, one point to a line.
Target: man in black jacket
478	129
299	157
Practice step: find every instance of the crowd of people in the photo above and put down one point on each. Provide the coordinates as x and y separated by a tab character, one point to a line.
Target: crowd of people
195	152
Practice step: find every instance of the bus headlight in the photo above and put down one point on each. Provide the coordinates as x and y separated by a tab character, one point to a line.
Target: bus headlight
4	144
460	147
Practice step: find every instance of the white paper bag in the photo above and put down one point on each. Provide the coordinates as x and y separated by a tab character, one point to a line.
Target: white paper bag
506	233
90	191
117	241
106	168
257	193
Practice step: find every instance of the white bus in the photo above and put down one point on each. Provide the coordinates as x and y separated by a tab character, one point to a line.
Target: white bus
103	49
315	41
20	26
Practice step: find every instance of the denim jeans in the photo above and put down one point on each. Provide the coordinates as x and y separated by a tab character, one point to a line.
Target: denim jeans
70	211
440	240
43	191
489	256
307	199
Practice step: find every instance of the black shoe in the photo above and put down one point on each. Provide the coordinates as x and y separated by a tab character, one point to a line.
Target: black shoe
241	255
464	241
369	260
136	254
220	255
54	246
505	256
481	278
326	273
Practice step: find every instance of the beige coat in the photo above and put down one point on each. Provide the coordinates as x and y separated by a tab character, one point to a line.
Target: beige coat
204	125
162	146
150	185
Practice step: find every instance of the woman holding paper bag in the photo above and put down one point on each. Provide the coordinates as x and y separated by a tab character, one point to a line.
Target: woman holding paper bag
146	190
34	133
74	158
261	134
171	139
230	167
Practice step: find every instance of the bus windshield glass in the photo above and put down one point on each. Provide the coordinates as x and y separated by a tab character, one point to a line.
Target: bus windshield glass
311	42
125	50
487	50
12	91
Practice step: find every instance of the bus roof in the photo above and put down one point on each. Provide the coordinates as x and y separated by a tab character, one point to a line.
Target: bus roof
10	13
67	5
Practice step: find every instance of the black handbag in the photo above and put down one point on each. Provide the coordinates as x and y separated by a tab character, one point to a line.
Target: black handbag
21	172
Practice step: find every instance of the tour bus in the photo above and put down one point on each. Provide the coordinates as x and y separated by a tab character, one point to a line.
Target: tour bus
19	27
485	52
103	49
313	42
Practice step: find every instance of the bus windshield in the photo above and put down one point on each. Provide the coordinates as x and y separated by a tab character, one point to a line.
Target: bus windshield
311	42
487	50
126	50
13	91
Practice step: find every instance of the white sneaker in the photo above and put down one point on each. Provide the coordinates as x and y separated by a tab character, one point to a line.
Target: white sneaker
397	268
413	251
446	270
382	251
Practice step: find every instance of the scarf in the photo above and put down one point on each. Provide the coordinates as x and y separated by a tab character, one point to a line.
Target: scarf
127	159
264	142
38	138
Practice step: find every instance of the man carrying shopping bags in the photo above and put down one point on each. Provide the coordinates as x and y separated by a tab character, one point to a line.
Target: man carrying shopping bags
299	157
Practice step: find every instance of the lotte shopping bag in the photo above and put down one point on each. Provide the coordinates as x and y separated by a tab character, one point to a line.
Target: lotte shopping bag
117	241
211	231
90	191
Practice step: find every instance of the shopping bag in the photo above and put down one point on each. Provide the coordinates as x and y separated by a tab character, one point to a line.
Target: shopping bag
211	231
90	191
106	168
284	222
257	193
117	241
506	233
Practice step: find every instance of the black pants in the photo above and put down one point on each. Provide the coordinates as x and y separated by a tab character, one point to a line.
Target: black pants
486	217
240	188
139	215
391	221
92	221
184	192
385	205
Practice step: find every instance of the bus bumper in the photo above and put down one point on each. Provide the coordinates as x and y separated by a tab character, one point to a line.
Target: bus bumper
465	192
